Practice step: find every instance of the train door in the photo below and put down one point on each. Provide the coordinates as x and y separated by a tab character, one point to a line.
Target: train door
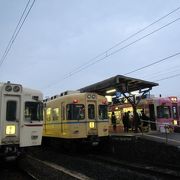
175	113
62	119
152	117
11	117
92	119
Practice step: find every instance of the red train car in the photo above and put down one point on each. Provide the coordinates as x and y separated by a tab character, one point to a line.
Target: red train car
163	112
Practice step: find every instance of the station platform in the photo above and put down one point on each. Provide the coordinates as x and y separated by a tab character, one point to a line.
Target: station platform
167	138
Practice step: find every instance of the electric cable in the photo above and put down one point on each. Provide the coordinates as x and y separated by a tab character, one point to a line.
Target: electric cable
151	64
120	49
169	77
126	39
16	32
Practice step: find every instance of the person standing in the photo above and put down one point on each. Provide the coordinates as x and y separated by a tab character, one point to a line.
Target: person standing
126	121
113	120
137	122
145	120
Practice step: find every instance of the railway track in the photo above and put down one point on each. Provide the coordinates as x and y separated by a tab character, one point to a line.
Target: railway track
11	171
46	170
53	165
161	171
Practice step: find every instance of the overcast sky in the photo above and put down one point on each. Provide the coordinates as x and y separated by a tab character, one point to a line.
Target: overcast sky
59	36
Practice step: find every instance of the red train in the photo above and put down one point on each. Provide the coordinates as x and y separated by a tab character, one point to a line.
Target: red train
163	112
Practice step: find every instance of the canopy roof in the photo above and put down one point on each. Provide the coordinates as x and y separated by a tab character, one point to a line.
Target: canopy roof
121	83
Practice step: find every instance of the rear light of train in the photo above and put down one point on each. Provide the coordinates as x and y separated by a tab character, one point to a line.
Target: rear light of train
10	129
75	101
104	102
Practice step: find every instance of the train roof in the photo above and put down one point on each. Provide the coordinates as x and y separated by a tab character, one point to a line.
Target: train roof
120	83
32	91
66	94
25	90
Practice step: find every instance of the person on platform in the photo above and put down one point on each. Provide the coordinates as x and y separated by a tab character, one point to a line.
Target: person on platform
137	123
113	120
126	121
144	119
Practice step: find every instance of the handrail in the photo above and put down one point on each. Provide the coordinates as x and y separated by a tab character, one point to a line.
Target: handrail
166	127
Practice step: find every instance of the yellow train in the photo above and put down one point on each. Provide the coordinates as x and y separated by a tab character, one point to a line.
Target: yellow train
75	116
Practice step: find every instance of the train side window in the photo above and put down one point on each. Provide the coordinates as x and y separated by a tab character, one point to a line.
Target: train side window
48	114
103	112
11	110
91	111
75	111
55	114
163	112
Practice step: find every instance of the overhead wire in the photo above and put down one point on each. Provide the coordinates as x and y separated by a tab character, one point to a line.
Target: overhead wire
86	65
168	77
120	49
16	31
161	71
121	42
12	37
151	64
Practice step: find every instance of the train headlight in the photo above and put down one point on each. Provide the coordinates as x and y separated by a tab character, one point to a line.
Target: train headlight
10	129
175	122
16	88
91	124
89	96
8	88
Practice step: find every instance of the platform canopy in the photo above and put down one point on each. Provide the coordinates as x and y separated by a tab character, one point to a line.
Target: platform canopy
119	83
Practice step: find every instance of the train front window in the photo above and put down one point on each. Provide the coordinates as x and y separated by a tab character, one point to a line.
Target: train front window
11	110
103	112
75	112
33	111
91	111
163	112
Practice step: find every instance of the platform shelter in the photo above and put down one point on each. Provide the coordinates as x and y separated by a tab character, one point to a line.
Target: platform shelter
120	85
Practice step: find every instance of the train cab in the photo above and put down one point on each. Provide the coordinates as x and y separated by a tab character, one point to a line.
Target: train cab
21	120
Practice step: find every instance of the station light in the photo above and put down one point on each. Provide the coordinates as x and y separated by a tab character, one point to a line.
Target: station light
135	92
111	91
109	98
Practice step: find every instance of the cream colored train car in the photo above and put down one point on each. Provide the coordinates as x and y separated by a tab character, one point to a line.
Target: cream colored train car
21	120
76	116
